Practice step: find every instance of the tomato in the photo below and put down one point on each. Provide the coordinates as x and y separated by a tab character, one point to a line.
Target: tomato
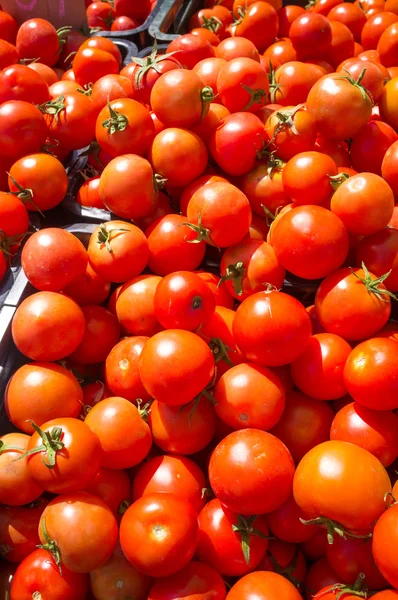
193	187
221	295
349	557
351	491
91	64
264	188
182	300
101	334
190	49
336	150
118	574
139	11
350	15
387	103
368	148
109	88
304	424
123	434
171	474
83	530
14	220
17	485
92	394
384	536
292	130
379	253
375	27
271	328
118	251
285	523
71	43
39	574
144	73
135	306
259	25
311	35
48	326
88	288
169	527
100	14
38	39
196	581
342	44
214	118
259	228
340	106
292	82
121	369
8	27
71	120
286	560
57	388
352	304
23	129
386	595
286	16
48	74
263	585
171	246
219	213
103	43
18	82
389	166
19	530
113	487
8	54
259	460
195	366
63	87
208	70
364	203
160	208
387	46
234	144
307	177
242	85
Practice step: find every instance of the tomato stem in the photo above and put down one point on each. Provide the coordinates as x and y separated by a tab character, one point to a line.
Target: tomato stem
212	24
234	273
53	107
333	528
51	546
256	96
336	180
245	529
4	447
116	122
150	62
50	446
105	237
220	351
359	589
357	83
372	285
123	506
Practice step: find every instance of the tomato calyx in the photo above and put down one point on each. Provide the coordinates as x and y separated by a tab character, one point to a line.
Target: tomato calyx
116	122
62	34
144	410
23	194
274	86
203	234
53	107
94	149
256	96
269	215
234	273
240	15
8	242
288	571
105	237
123	506
159	182
51	445
372	285
336	180
5	448
286	121
359	589
334	528
245	529
86	90
51	546
220	351
211	23
150	62
195	402
357	83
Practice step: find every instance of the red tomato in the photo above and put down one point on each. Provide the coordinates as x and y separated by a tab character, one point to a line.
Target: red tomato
169	527
351	491
48	74
259	25
222	296
263	585
292	130
19	530
171	474
271	328
18	82
71	120
389	166
237	47
23	129
311	35
135	306
350	15
285	523
387	46
349	557
88	288
304	424
286	16
242	84
81	528
190	49
292	82
264	189
18	487
352	304
38	39
379	253
208	70
8	27
8	54
118	251
307	178
375	27
245	456
39	574
110	87
196	581
384	536
92	63
101	334
121	369
123	434
369	147
113	487
48	326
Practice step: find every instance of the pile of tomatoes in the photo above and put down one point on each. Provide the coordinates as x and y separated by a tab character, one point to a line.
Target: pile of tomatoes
208	403
118	15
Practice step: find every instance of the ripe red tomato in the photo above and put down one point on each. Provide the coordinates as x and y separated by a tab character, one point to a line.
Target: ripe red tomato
101	334
190	49
113	487
369	147
271	328
311	35
121	369
259	25
58	389
375	27
38	39
88	288
118	251
379	253
83	529
264	189
305	423
39	574
352	304
123	434
292	131
8	27
342	482
208	70
293	81
135	306
66	456
384	536
263	585
19	530
387	46
48	326
23	129
18	82
110	87
220	214
319	576
242	84
169	527
182	300
171	474
388	167
307	177
237	47
342	44
285	523
194	582
17	485
259	460
92	63
71	120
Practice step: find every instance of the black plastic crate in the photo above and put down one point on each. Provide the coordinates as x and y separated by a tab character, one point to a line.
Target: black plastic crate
173	19
140	35
127	48
10	358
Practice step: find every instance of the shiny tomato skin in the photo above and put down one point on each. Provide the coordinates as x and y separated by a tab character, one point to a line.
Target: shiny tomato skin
231	82
156	366
171	474
190	49
58	389
48	326
39	574
208	71
89	288
23	129
135	306
387	46
306	178
42	254
194	582
19	530
271	328
169	526
318	372
263	188
389	166
294	81
345	307
384	536
121	369
113	487
18	82
379	253
262	454
352	491
375	27
388	103
236	47
110	87
369	147
101	334
221	547
304	424
370	374
38	39
184	431
74	126
90	64
285	523
18	487
84	529
77	463
222	296
259	25
124	436
263	585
